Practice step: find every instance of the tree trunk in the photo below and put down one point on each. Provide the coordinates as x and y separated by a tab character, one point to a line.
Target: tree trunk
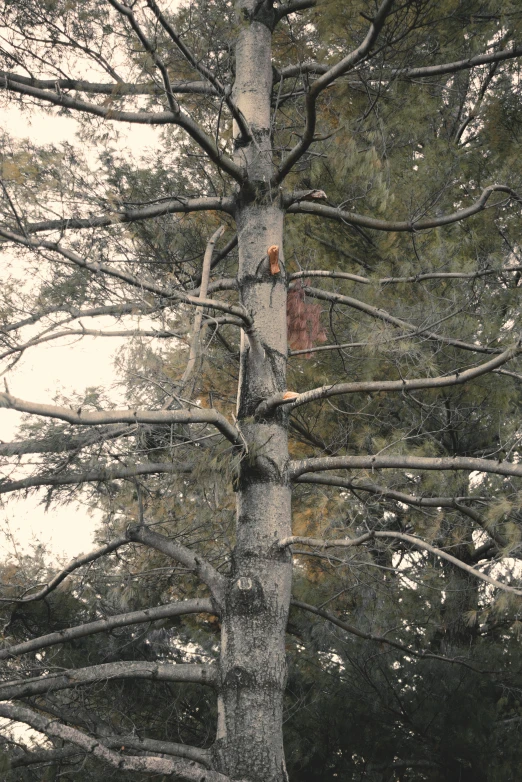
253	668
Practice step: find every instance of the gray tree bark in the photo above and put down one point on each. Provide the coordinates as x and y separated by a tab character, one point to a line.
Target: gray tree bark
249	741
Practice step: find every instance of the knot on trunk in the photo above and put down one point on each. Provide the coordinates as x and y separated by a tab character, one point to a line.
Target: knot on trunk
238	678
246	596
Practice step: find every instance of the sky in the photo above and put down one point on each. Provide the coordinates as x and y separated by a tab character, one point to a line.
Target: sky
63	366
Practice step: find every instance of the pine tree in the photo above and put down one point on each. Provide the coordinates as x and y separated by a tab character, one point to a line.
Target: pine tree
317	272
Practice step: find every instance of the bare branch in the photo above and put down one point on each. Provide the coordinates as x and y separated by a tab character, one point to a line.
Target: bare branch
197	606
413	540
113	89
182	769
398	462
412	226
178	117
82	418
324	392
380	639
205	275
459	65
166	206
209	575
74	564
202	756
334	275
380	314
408	499
217	259
127	669
316	543
292	6
333	73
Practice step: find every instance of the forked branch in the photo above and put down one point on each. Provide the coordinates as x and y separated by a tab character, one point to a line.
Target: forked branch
411	539
333	73
185	556
181	769
74	564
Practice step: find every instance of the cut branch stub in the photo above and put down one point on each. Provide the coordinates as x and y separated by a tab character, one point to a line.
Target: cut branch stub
273	258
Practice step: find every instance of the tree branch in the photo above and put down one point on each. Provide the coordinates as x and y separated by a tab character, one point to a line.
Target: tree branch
380	638
77	260
371	386
184	770
398	462
81	418
408	499
74	564
185	556
94	476
317	69
459	65
335	275
127	669
413	540
141	117
207	74
380	314
75	313
292	6
113	89
166	206
196	606
115	742
50	445
84	332
194	349
344	65
412	226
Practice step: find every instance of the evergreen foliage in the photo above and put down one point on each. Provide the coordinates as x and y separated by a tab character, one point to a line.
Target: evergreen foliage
391	184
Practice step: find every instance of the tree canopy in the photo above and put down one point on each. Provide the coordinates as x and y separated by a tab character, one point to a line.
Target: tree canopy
308	566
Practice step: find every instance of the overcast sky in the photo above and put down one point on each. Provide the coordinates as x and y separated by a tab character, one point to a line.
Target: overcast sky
62	366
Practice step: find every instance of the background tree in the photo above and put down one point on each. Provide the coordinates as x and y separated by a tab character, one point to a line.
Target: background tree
362	160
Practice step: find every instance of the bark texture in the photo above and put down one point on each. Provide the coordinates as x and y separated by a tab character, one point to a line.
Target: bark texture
253	667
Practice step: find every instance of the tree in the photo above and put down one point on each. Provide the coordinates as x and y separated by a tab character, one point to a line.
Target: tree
279	119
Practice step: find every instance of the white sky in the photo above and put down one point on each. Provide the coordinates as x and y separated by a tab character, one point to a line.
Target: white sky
62	366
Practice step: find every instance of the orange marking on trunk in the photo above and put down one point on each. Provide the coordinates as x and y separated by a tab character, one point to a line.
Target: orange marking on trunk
273	257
